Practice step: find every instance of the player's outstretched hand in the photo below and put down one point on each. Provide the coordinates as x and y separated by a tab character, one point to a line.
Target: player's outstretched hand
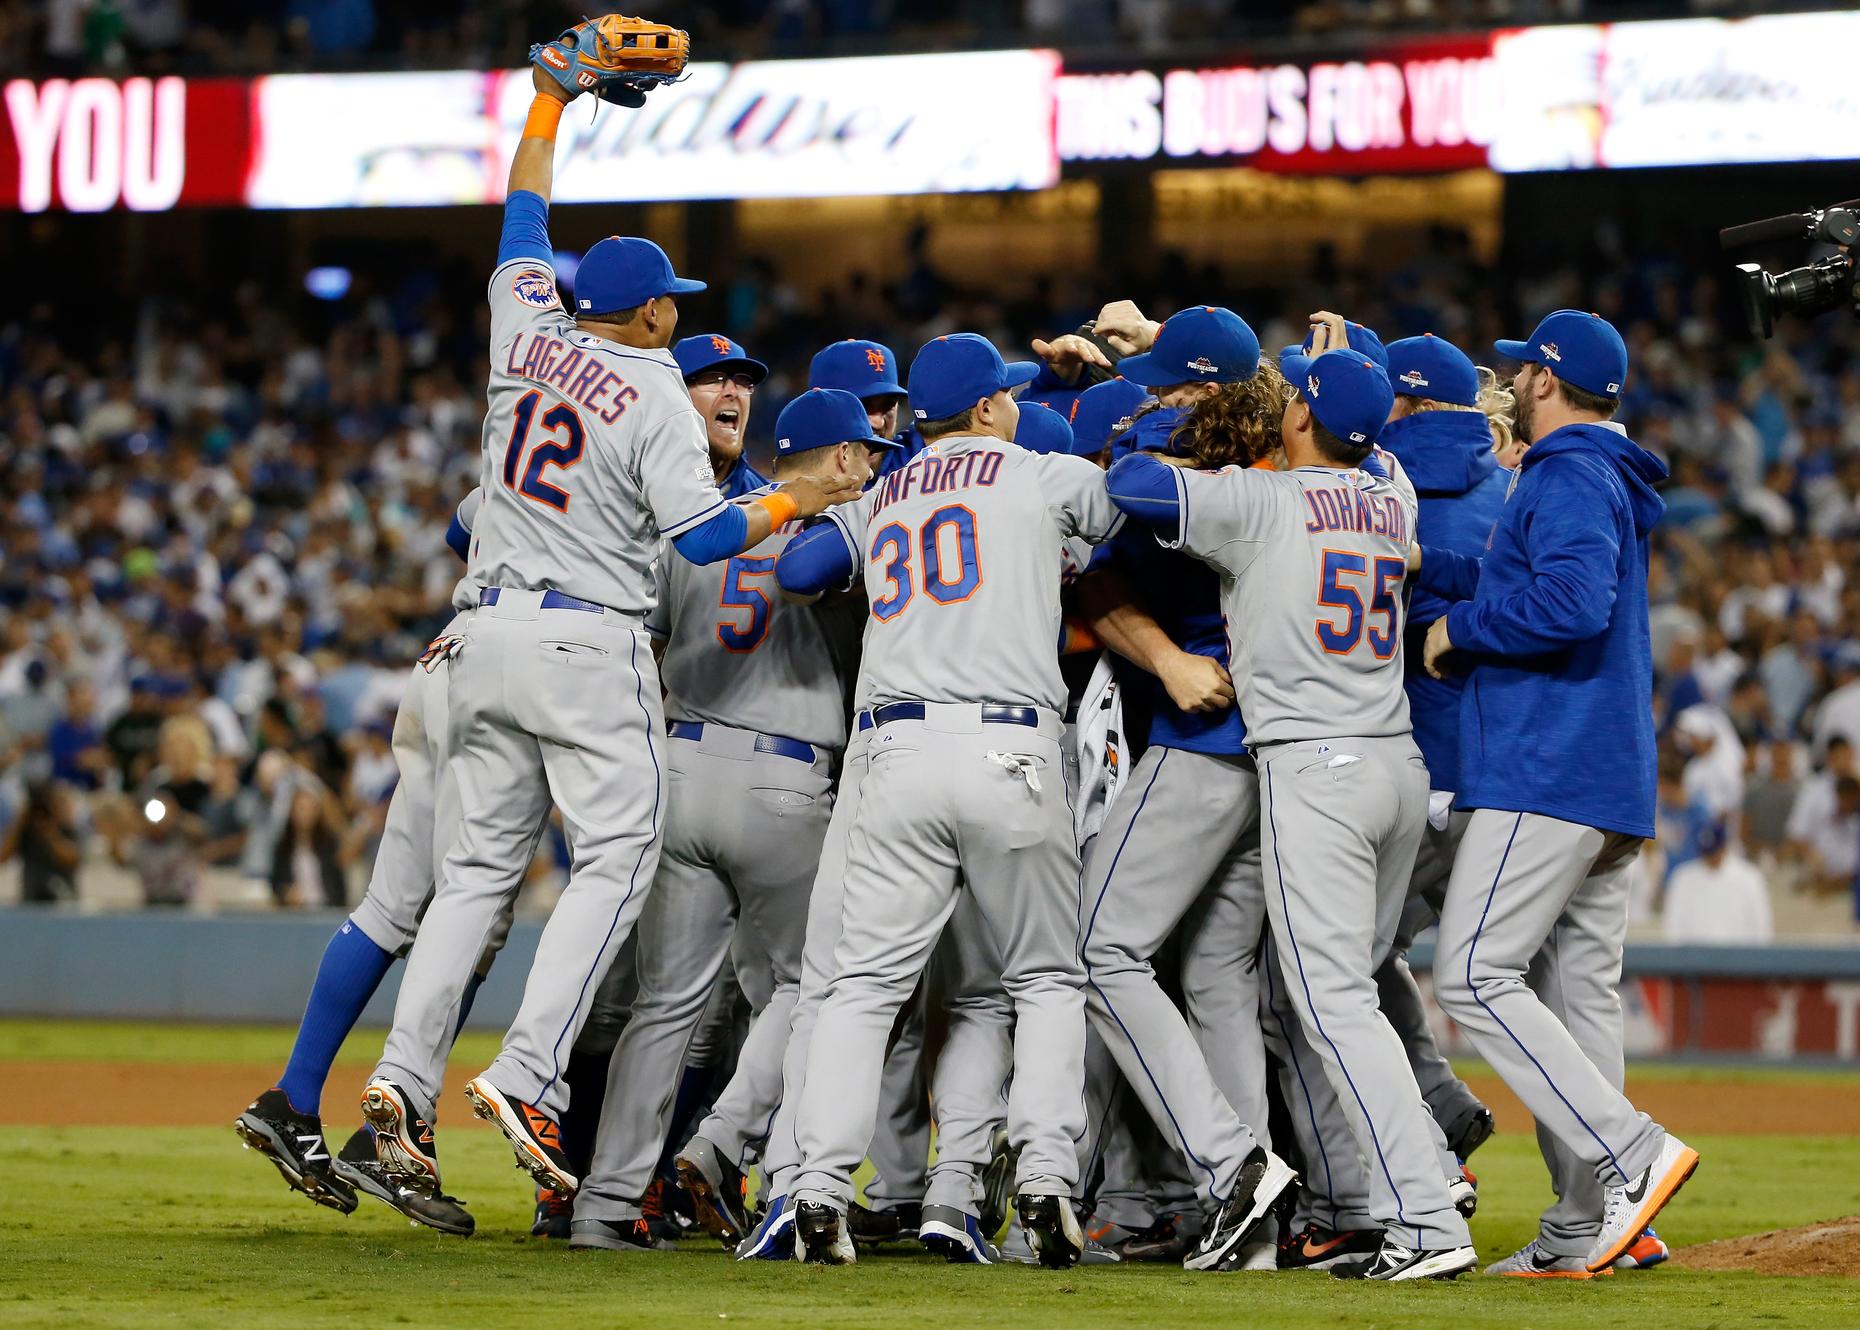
615	57
1197	683
547	85
1438	644
1122	324
1067	356
815	494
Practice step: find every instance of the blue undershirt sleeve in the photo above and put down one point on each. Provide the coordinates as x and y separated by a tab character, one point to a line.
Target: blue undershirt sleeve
715	538
526	229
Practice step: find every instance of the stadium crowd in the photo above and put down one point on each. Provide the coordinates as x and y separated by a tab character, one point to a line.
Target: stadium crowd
68	37
224	543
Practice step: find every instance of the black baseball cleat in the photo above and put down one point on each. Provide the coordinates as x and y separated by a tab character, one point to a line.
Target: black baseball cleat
294	1142
554	1212
998	1184
822	1236
532	1133
1394	1263
1314	1248
621	1235
360	1167
716	1188
404	1142
1052	1229
658	1215
894	1223
1164	1240
1470	1132
1238	1225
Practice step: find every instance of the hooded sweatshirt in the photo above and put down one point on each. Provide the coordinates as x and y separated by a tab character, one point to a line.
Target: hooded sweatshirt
1557	716
1461	487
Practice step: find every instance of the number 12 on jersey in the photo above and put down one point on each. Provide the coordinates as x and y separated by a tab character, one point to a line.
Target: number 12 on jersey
948	555
563	451
1338	590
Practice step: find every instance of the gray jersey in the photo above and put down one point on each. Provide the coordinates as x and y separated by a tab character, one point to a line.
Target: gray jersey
465	592
592	452
1313	563
962	550
737	655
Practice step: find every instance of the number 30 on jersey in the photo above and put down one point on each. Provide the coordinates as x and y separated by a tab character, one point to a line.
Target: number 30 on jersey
944	562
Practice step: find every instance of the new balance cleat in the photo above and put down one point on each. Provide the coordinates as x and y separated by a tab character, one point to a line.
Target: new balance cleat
1395	1264
716	1188
294	1143
404	1142
532	1133
360	1167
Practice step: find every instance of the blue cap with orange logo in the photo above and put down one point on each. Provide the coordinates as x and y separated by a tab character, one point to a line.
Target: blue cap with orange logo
711	350
624	272
864	369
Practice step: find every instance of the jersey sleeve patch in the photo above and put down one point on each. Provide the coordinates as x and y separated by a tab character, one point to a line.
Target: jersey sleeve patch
536	288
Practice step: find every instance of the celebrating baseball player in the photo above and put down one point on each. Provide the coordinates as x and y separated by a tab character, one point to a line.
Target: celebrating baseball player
757	698
963	786
1313	559
1552	632
593	453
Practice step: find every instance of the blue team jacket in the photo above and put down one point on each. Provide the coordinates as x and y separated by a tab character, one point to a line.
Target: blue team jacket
1183	595
1557	716
1448	458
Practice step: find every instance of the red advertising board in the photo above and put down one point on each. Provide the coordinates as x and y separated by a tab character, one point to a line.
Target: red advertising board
92	144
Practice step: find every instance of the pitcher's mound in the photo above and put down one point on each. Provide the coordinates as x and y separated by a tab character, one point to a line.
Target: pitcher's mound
1832	1248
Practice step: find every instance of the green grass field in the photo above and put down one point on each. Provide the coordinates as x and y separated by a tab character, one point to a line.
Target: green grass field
176	1226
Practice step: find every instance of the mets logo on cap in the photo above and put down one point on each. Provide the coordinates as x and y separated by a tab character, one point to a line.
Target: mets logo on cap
535	288
876	359
721	345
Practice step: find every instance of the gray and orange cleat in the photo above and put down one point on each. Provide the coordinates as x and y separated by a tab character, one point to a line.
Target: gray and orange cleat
532	1133
294	1143
404	1142
716	1187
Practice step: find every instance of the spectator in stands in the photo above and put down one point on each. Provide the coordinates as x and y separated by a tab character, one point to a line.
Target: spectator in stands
1768	800
1718	897
76	748
1839	712
47	838
132	736
1714	774
1824	826
1679	817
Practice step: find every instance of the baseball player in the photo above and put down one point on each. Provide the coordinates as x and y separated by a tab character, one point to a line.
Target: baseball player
593	453
1146	875
1553	630
422	818
963	781
757	699
1310	567
869	371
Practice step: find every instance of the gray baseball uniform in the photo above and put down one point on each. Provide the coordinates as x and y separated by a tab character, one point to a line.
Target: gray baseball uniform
1314	561
757	699
961	557
592	453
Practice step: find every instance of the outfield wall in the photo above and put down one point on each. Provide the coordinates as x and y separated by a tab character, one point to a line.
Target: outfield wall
1781	1004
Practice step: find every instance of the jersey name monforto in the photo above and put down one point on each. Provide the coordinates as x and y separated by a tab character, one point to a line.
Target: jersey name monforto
1347	509
577	374
931	474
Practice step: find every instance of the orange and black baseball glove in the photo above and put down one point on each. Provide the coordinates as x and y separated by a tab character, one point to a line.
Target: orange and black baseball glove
615	57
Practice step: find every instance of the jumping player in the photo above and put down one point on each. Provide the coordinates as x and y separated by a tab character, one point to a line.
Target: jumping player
1553	628
1313	560
592	454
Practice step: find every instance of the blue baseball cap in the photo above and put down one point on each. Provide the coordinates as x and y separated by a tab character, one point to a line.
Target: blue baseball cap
824	418
864	369
624	272
1360	338
1102	410
1430	367
1042	430
1583	349
709	350
953	373
1346	391
1201	344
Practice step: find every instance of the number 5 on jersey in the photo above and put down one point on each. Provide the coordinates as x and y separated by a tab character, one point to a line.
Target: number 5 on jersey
562	451
949	557
1337	593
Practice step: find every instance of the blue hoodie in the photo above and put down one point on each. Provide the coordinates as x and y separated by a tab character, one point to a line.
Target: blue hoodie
1557	716
1183	595
1448	458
